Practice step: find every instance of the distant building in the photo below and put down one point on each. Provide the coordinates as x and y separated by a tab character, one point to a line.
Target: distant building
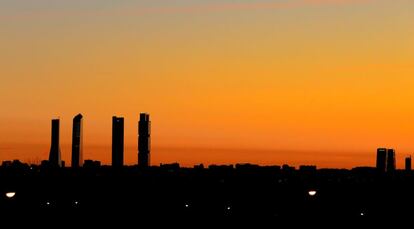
170	167
91	164
224	169
6	164
408	163
54	155
391	160
364	170
221	167
381	159
44	164
199	166
144	140
77	142
307	168
272	168
287	168
17	164
247	166
117	141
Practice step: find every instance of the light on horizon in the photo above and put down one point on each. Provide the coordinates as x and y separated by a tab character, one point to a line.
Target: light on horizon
10	194
312	193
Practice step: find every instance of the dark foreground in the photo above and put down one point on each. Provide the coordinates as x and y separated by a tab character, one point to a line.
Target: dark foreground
244	195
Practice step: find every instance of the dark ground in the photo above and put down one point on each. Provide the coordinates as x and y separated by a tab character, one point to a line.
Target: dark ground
191	197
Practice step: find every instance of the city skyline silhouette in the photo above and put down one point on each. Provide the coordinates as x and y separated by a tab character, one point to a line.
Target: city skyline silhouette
385	158
230	113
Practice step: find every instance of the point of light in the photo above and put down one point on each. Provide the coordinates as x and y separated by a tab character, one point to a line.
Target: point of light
228	208
48	203
10	194
362	214
186	205
312	193
76	202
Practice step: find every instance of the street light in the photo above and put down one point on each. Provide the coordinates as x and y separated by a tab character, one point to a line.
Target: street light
312	192
10	194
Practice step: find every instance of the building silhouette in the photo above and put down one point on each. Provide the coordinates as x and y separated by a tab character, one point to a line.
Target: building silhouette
381	159
408	163
77	142
117	141
391	160
144	140
91	164
54	155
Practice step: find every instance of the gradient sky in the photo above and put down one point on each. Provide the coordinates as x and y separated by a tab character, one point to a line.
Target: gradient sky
320	82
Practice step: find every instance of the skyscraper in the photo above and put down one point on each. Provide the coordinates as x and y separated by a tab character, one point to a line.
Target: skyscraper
77	141
391	160
54	155
408	163
117	141
144	140
381	159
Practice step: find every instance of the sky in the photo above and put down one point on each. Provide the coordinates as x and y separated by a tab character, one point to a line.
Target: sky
321	82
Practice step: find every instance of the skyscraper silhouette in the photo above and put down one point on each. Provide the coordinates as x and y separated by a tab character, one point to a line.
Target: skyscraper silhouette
408	163
391	160
117	141
381	159
54	155
144	140
77	141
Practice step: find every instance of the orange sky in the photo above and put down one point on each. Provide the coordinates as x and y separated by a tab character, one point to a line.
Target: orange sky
268	82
